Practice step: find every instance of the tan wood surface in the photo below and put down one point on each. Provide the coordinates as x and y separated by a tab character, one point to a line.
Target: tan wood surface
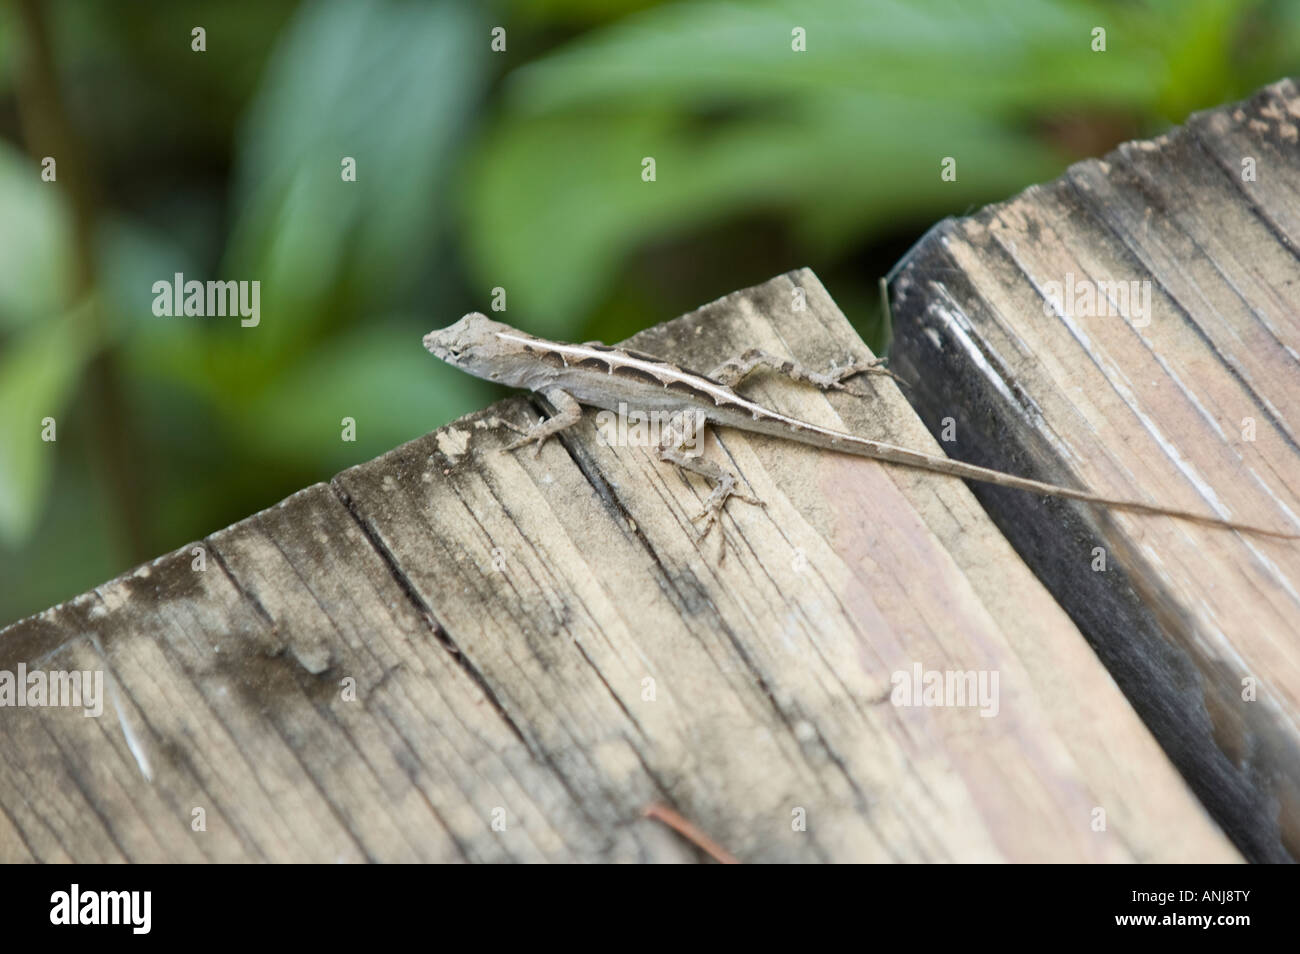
543	643
1195	404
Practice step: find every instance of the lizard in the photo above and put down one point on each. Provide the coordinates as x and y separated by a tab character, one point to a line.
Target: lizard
597	375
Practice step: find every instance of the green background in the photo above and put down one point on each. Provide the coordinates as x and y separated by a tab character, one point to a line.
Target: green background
477	169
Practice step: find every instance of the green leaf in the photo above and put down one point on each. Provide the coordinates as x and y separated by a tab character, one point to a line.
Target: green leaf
389	84
534	12
381	377
131	256
35	242
839	141
1006	54
38	374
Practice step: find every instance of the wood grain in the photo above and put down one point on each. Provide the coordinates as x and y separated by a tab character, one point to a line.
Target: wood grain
1193	405
545	645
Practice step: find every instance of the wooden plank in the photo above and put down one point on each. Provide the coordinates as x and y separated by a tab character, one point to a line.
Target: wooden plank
1191	403
546	640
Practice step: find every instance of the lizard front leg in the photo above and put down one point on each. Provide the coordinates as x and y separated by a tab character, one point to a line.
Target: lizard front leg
567	413
734	371
684	429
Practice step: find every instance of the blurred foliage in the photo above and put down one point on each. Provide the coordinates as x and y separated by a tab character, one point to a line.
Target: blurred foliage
478	169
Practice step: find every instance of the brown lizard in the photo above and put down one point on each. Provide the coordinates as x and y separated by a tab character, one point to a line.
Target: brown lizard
571	375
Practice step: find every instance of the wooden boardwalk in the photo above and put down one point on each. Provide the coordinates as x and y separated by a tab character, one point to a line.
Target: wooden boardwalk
1194	401
543	644
451	653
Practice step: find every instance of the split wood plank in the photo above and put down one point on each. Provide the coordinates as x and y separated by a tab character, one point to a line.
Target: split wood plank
540	649
1193	402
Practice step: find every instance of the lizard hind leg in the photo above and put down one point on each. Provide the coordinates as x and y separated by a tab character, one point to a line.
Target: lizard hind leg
731	373
687	431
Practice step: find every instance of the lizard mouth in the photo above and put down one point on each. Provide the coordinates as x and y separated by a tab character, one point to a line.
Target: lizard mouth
434	344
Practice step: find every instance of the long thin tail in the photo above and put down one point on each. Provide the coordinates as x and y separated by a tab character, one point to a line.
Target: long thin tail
781	426
973	472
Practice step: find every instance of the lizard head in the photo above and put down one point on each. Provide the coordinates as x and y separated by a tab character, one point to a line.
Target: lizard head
470	344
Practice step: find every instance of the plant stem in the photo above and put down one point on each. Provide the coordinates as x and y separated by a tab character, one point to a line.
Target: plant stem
48	131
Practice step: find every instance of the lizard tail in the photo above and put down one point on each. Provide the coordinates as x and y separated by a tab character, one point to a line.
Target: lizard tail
957	468
767	422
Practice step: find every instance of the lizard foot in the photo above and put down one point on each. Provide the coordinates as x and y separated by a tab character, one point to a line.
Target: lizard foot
713	507
497	421
568	413
535	435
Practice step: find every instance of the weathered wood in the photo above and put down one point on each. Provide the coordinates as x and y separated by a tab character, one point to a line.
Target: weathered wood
1159	407
546	638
